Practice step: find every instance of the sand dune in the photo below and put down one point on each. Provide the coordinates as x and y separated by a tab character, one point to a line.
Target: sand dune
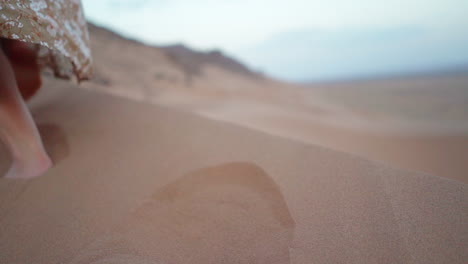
139	183
212	163
416	123
442	154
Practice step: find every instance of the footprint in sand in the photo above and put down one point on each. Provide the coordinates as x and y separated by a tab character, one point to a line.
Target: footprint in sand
5	159
55	141
232	213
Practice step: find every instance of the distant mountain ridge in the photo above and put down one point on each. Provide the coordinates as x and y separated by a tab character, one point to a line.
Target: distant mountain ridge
190	61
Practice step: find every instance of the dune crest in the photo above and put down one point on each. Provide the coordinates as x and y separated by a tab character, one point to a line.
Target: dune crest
417	123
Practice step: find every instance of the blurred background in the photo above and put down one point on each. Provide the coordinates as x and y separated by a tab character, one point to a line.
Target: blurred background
304	40
386	79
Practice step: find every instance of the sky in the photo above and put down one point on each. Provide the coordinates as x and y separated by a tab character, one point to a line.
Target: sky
245	28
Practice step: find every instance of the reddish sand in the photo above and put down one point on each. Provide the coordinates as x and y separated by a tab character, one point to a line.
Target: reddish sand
208	163
137	183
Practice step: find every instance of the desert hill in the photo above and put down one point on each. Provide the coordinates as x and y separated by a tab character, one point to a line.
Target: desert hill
418	123
193	61
145	182
158	66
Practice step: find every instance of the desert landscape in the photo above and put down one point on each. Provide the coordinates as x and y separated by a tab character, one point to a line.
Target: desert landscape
417	122
170	155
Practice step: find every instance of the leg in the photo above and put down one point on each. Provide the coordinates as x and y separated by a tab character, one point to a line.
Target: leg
23	59
17	128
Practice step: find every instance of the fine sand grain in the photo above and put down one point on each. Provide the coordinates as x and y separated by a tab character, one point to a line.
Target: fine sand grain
140	183
417	123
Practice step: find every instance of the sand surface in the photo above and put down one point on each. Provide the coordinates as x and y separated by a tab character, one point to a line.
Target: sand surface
417	123
196	159
141	183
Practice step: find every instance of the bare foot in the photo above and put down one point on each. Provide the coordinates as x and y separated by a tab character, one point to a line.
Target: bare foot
17	128
27	169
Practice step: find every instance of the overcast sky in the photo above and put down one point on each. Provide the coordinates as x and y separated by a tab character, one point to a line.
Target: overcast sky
236	25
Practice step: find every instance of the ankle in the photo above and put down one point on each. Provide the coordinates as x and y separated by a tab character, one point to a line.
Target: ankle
30	168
